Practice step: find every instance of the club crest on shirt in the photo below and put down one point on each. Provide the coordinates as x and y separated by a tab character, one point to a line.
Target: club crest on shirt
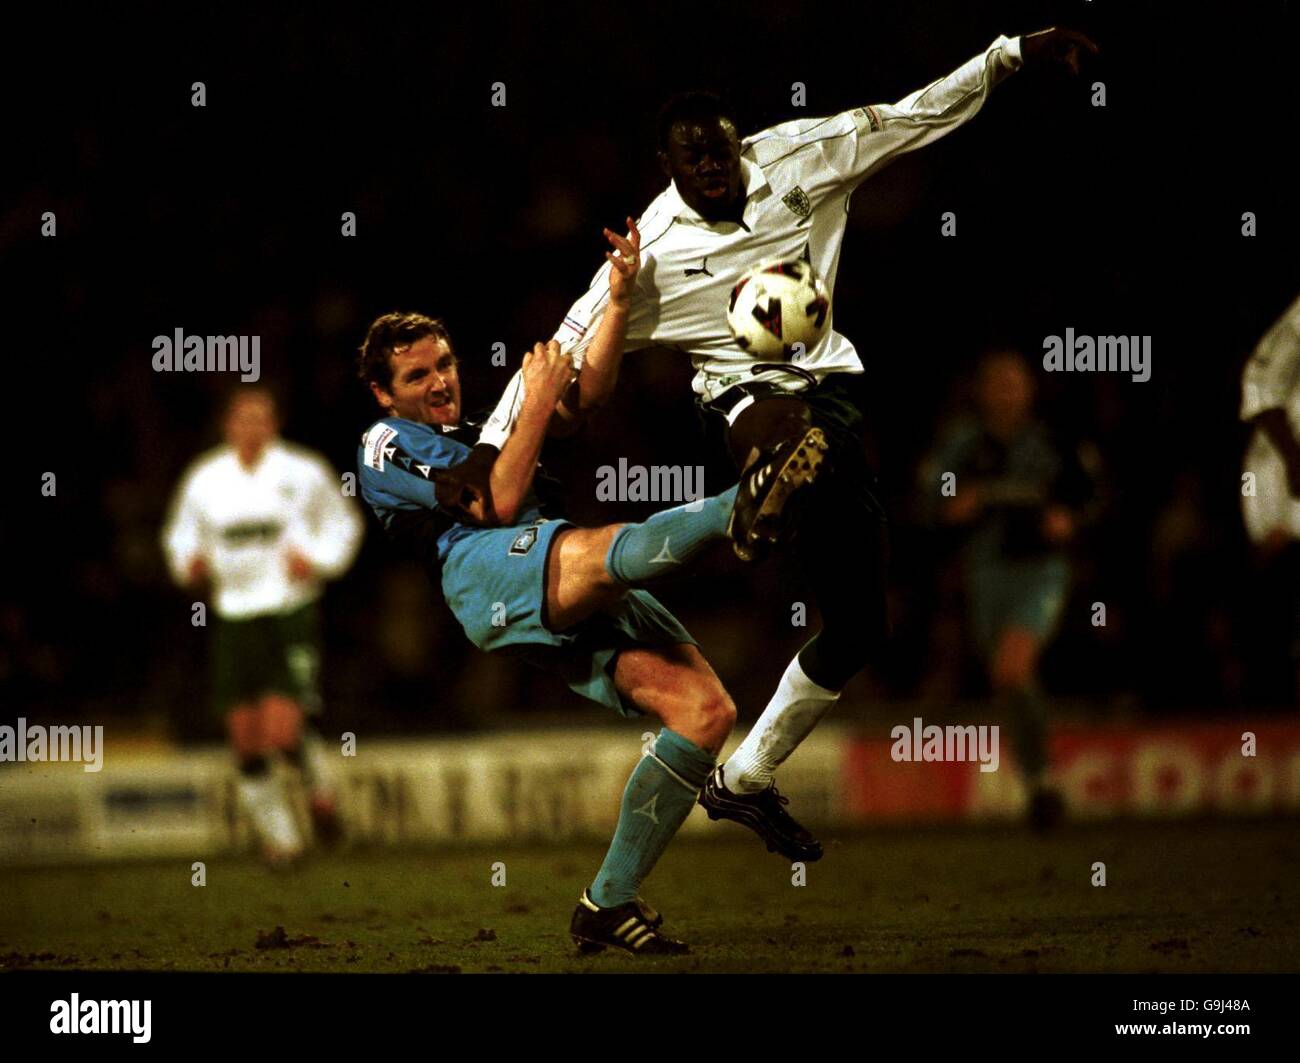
524	541
797	200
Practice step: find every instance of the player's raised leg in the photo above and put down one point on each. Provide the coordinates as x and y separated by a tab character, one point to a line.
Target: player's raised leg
675	684
592	568
840	548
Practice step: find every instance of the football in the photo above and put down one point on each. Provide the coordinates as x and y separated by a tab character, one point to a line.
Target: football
777	305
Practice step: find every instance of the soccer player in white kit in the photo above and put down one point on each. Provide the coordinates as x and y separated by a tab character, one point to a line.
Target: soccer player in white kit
1270	399
261	524
783	193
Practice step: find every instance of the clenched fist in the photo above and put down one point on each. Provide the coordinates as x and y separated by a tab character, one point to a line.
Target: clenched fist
547	373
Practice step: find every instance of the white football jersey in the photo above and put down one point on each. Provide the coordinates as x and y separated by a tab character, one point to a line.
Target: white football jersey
1271	380
798	177
244	522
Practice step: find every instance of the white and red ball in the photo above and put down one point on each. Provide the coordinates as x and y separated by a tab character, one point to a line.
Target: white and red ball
777	305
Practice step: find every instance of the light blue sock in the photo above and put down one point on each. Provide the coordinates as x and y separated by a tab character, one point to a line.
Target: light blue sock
667	541
659	796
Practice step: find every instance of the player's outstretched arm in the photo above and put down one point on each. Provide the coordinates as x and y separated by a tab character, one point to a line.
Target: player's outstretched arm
546	374
604	357
329	533
882	132
185	538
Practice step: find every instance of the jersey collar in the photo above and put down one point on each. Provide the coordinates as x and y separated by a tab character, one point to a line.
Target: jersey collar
751	176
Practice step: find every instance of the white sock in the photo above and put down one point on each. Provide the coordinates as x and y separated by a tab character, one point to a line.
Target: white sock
790	716
263	798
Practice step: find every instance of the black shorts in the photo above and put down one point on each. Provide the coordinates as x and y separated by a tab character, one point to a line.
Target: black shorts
278	653
841	542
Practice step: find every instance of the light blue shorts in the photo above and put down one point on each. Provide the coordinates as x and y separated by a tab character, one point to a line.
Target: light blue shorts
1027	594
495	583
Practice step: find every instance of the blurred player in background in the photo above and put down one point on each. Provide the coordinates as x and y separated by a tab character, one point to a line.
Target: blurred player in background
1270	401
1018	495
522	580
783	193
259	525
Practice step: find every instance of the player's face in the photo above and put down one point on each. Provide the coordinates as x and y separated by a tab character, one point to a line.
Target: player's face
426	385
251	425
703	159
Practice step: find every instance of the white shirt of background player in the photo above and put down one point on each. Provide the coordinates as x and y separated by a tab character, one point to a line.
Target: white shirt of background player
1271	381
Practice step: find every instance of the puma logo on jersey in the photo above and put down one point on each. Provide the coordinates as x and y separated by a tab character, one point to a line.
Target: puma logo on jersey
691	272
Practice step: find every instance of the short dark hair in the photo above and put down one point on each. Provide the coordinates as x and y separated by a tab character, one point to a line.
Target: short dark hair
696	106
386	334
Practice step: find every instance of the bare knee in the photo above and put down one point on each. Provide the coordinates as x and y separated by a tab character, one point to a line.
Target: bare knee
677	685
281	723
709	719
244	726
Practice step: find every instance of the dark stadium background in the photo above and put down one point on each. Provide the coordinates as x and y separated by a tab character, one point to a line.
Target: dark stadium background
225	220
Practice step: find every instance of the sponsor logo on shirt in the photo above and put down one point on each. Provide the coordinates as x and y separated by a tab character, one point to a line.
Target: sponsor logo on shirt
377	446
250	532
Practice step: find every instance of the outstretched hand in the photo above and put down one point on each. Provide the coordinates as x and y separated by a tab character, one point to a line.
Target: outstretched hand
624	261
1059	49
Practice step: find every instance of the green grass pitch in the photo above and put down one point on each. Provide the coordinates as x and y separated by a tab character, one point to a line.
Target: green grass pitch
1180	897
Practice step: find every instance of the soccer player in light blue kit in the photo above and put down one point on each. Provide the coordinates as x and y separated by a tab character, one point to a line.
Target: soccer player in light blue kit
567	599
1019	496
